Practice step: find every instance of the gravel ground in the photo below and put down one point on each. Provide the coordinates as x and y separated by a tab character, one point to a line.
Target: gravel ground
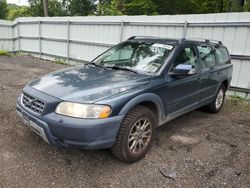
198	149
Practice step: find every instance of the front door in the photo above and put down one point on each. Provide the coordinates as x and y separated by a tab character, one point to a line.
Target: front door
182	93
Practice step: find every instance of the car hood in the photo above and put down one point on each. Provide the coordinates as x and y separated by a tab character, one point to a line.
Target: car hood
88	83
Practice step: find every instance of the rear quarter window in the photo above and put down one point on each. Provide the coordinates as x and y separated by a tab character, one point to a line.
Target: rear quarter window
223	56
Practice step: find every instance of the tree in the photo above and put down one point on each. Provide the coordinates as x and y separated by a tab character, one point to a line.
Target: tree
55	8
103	7
123	7
175	6
246	6
3	9
81	7
45	8
127	7
36	7
140	7
152	7
16	12
110	7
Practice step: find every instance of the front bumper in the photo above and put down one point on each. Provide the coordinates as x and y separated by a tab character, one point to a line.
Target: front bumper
65	131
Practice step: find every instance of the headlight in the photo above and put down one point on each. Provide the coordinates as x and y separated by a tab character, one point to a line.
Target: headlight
83	110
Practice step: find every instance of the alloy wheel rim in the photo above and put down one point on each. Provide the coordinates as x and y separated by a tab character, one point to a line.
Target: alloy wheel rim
139	135
219	99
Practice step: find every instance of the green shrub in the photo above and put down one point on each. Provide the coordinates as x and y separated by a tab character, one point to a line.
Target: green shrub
59	61
235	100
4	53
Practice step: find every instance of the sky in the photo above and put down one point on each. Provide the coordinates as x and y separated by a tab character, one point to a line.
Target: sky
18	2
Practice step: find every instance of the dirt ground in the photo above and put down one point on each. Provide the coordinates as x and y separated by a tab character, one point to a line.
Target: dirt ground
201	149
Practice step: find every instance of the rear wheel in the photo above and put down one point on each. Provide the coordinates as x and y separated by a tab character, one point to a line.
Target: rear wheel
135	135
216	105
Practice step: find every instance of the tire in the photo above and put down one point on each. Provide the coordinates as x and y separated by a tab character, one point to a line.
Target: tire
217	103
137	128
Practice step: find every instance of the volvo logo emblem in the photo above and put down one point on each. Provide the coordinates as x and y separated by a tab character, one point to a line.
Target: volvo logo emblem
29	102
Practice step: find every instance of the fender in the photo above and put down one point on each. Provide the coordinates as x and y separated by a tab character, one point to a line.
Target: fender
143	98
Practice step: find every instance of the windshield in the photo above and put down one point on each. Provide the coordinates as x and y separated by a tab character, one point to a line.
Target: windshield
144	57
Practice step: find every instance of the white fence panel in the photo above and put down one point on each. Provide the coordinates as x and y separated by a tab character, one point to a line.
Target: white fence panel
241	73
57	31
6	32
54	47
29	45
6	45
86	52
29	30
6	35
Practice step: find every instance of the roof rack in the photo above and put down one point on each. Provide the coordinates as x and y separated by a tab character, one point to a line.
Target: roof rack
180	40
203	40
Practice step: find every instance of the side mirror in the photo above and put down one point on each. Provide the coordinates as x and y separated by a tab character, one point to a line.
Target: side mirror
183	70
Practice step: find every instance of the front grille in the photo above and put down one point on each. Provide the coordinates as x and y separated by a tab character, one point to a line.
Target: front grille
33	103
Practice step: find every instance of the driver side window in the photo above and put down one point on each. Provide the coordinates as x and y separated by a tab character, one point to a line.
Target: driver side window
187	56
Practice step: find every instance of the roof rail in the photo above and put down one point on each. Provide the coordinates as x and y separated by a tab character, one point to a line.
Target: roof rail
130	38
215	41
205	40
138	37
181	40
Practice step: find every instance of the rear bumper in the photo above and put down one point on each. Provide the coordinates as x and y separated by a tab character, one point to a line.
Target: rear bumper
65	131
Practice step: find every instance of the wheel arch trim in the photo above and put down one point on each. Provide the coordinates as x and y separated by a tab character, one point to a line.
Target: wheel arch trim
147	97
224	78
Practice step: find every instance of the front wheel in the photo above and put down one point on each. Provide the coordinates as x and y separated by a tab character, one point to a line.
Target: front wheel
135	135
216	105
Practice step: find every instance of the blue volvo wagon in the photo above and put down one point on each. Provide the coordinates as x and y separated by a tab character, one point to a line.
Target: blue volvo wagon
118	100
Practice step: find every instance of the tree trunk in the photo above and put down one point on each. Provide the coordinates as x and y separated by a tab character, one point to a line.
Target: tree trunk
229	7
221	6
242	2
216	6
45	8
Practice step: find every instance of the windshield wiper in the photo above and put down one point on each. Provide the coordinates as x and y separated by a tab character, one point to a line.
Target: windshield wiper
115	67
112	66
96	64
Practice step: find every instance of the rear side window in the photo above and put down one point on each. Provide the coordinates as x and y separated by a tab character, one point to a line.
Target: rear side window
207	56
223	55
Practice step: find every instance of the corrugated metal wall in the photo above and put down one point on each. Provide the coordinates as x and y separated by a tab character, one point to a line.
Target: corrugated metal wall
83	38
6	35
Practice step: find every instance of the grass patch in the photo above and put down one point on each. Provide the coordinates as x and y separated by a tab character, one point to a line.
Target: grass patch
236	98
4	53
238	103
11	54
59	61
16	54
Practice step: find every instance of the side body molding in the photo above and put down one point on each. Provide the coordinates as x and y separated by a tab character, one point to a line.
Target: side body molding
147	97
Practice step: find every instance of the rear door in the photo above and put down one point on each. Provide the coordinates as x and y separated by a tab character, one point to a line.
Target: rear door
209	72
224	63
